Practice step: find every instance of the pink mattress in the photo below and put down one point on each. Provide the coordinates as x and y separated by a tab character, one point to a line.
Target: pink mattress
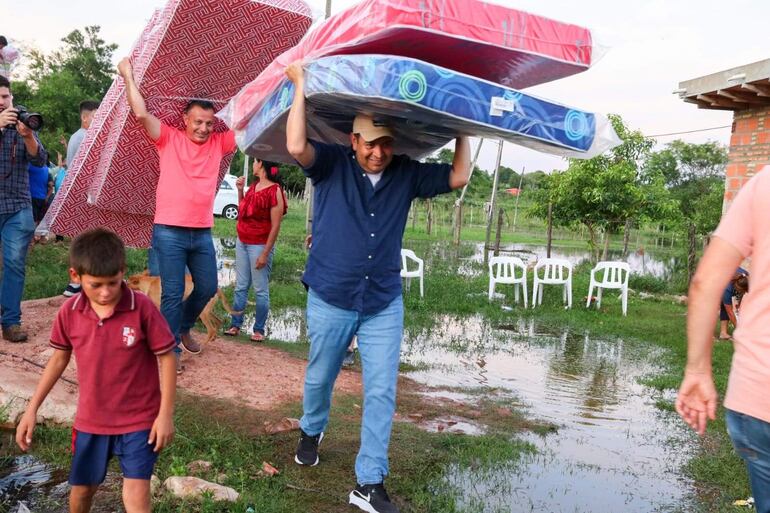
191	49
488	41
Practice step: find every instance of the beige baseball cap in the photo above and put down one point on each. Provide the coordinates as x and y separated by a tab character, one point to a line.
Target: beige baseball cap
370	128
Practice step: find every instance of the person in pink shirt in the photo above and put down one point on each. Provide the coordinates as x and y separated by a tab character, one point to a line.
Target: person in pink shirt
190	160
743	233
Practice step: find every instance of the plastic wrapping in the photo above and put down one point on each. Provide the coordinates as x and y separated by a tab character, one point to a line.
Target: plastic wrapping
190	49
485	40
9	57
426	105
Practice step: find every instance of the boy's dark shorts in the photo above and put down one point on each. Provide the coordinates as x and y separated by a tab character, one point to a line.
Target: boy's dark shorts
91	454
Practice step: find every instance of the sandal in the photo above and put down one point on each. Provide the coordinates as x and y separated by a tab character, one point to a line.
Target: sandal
232	331
257	337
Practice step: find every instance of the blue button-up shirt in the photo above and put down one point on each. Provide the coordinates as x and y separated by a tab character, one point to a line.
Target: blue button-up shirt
14	174
355	259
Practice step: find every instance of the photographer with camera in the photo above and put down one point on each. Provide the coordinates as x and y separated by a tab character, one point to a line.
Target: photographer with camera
19	146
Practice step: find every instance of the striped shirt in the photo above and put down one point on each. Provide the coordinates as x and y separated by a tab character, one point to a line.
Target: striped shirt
14	174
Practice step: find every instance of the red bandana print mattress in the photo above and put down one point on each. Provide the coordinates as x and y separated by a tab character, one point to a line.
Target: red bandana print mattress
488	41
190	49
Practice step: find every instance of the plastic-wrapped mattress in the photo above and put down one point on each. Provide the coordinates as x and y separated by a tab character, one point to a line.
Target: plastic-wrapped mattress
190	49
426	105
477	38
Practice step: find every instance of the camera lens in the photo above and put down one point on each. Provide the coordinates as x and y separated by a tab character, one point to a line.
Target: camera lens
33	121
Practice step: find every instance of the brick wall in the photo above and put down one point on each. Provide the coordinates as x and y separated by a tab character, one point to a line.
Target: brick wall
749	149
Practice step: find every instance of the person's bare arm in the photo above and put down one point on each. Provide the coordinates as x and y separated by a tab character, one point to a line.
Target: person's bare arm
30	142
240	183
53	371
162	432
731	314
150	123
296	125
461	164
276	215
697	398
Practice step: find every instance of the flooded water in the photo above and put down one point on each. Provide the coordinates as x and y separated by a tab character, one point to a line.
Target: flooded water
470	255
225	250
26	484
613	451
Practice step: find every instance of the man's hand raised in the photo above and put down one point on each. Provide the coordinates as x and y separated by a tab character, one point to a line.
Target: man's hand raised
295	72
125	69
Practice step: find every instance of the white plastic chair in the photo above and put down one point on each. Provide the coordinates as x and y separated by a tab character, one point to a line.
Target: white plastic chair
407	255
615	276
502	269
555	271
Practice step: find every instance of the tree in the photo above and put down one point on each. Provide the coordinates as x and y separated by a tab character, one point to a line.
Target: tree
57	82
681	162
606	192
694	175
292	176
444	156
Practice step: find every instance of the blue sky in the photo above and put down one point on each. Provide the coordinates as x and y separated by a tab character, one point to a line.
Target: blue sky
652	45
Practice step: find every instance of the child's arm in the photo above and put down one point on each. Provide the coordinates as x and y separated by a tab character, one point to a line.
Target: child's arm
163	428
53	371
731	314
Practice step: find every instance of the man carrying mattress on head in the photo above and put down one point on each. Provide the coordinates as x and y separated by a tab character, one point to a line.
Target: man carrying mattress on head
362	198
189	173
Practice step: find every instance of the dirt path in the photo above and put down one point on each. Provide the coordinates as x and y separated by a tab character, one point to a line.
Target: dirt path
255	375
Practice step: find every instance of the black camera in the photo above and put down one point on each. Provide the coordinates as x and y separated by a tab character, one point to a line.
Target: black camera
32	120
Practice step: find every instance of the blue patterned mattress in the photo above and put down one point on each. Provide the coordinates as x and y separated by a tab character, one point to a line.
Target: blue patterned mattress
427	106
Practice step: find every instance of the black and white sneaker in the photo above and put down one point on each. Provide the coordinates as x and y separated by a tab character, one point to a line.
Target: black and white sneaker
307	450
71	290
372	498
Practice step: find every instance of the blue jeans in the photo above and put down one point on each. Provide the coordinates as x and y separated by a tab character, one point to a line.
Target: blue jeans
751	438
246	273
379	345
16	231
175	248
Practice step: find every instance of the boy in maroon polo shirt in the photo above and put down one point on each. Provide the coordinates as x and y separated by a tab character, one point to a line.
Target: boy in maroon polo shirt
124	407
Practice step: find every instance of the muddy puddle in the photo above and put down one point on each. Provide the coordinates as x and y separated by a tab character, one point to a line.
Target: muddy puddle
613	451
468	256
28	485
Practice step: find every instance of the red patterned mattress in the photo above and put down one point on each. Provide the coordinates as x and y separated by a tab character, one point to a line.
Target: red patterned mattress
190	49
488	41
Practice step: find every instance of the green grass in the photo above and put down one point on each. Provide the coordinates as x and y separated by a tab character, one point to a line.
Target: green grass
228	435
47	266
717	471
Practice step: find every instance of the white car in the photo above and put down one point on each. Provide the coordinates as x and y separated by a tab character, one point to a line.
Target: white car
226	200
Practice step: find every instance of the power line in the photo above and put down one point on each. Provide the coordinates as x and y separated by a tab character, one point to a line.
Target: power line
691	131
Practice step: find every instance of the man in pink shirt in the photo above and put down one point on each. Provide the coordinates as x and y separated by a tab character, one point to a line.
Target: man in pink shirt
743	233
189	171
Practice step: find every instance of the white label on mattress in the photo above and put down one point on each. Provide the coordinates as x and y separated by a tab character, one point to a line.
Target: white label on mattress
495	112
500	103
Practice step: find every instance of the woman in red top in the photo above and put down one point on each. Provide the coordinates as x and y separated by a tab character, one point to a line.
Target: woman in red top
260	212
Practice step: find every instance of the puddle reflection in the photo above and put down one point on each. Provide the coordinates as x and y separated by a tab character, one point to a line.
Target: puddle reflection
469	255
225	251
614	450
26	484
